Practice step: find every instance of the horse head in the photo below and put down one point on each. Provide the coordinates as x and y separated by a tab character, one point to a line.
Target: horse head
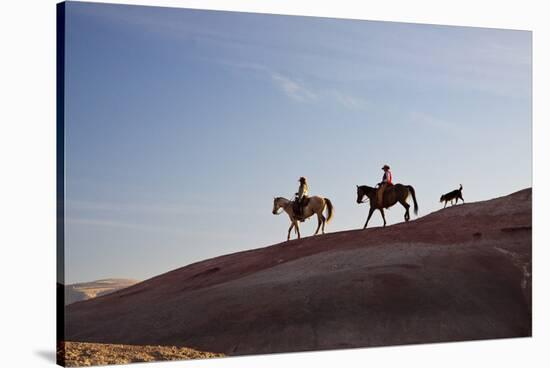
277	204
362	190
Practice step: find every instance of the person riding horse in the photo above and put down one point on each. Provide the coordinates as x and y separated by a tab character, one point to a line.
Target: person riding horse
386	181
301	197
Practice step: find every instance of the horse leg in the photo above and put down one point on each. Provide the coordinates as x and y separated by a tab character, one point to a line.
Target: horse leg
297	229
318	223
323	220
371	211
407	206
289	230
383	216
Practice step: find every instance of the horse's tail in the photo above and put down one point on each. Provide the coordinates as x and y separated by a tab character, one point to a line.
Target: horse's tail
411	190
330	209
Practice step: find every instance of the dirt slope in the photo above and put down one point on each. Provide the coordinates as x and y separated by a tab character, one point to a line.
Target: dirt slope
462	273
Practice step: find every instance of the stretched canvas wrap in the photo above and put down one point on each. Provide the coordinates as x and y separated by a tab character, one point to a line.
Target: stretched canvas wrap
237	183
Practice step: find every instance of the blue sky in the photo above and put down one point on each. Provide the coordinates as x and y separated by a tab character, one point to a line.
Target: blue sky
182	125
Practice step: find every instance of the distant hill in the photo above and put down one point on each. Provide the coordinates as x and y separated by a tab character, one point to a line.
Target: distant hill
460	273
88	290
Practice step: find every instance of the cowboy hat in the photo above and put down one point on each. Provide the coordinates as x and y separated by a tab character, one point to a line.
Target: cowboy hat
385	167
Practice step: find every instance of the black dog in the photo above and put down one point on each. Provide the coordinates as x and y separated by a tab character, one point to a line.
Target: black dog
455	194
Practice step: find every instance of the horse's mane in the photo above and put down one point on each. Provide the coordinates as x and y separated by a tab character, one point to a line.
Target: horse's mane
365	188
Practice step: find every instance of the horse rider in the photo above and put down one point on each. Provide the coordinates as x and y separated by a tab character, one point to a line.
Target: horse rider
301	196
386	181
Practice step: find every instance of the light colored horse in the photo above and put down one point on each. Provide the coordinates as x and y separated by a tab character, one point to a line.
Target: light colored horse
316	205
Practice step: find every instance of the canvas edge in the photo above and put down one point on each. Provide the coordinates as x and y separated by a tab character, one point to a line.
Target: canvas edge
60	182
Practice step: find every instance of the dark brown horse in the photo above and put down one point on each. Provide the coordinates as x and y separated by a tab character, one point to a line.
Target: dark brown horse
392	195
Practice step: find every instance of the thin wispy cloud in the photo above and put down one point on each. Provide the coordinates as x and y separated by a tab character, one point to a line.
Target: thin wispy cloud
428	120
176	231
190	209
293	89
107	223
298	90
349	101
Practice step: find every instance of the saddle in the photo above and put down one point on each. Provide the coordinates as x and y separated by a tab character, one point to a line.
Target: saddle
382	192
298	207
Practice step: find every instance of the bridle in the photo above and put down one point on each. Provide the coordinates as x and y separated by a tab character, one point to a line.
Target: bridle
363	195
281	207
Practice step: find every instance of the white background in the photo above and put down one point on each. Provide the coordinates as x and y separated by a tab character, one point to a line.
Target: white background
27	183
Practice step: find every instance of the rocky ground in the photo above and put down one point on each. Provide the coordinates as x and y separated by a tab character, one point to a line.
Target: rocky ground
78	354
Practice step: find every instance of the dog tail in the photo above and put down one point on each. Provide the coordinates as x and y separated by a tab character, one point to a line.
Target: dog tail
413	194
460	187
